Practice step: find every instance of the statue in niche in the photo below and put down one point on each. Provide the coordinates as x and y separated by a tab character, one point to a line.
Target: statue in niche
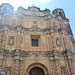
57	42
11	40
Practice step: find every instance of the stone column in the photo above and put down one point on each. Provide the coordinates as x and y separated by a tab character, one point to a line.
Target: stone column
69	60
73	70
65	40
0	40
16	67
3	40
1	58
73	64
57	63
53	67
21	67
18	40
57	67
1	63
52	39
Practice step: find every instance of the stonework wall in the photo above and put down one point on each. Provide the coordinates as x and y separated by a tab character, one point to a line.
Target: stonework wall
17	29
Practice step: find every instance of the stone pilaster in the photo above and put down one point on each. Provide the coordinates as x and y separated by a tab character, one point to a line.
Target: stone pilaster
3	40
1	63
53	67
0	39
65	40
57	63
57	67
52	38
73	70
69	59
73	63
16	67
21	67
18	40
1	58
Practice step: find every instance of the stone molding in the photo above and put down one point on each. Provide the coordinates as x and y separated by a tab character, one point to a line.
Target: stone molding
25	55
32	29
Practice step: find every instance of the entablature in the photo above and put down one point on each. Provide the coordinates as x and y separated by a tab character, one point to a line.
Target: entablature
33	29
24	55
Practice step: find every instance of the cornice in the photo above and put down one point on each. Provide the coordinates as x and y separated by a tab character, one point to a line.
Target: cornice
18	52
33	29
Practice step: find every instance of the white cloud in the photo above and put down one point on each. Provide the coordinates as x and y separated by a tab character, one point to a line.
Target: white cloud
17	3
24	3
44	1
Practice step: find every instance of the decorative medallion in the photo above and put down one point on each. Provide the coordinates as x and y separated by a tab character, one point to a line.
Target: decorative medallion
27	37
8	63
43	38
62	62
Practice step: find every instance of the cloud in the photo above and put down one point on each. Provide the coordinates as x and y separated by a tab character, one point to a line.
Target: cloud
44	1
24	3
17	3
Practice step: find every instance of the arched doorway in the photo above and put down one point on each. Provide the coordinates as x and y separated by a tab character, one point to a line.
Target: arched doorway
37	66
36	71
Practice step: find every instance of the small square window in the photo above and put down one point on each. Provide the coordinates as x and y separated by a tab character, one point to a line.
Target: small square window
34	42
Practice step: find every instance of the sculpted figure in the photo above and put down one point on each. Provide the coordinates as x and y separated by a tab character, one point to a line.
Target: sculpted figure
11	41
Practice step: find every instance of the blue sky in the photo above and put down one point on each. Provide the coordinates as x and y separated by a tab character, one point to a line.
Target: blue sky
67	5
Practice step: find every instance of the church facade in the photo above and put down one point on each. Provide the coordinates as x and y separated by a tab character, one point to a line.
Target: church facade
34	41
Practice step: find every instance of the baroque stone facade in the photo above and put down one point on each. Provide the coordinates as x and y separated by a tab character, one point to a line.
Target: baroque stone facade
22	29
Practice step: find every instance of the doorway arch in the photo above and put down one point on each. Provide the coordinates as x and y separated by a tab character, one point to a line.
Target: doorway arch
36	71
37	67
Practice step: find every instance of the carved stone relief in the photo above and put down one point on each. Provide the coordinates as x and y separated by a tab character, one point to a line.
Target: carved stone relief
62	62
34	23
27	37
43	38
9	63
10	47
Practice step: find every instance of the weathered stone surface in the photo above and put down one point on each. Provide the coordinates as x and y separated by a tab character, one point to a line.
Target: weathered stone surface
55	41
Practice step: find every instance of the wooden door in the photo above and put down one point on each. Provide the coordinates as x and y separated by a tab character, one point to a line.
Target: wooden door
36	71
